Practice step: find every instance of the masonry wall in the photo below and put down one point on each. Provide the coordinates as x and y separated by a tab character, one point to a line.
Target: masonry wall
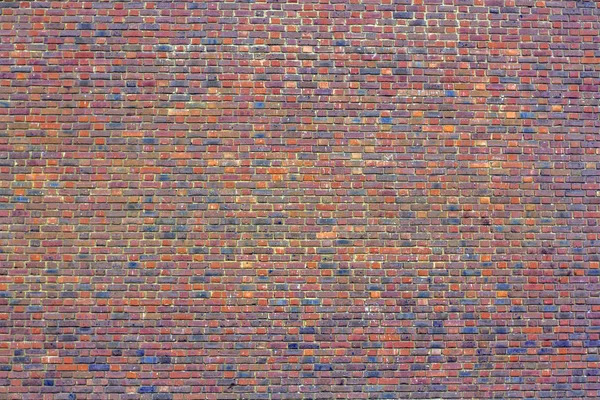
299	199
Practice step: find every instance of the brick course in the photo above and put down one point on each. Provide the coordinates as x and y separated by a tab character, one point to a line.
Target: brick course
299	199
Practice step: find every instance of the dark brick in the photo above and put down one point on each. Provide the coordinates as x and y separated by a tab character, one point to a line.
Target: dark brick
99	367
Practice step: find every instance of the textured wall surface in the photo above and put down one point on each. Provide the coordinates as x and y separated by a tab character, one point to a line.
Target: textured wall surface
300	199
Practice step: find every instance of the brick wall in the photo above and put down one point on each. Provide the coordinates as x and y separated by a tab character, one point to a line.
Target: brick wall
299	199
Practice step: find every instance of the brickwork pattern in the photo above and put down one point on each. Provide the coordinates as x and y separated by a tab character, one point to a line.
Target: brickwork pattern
299	199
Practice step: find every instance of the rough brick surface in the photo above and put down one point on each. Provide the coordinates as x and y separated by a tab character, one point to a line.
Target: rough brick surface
379	199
